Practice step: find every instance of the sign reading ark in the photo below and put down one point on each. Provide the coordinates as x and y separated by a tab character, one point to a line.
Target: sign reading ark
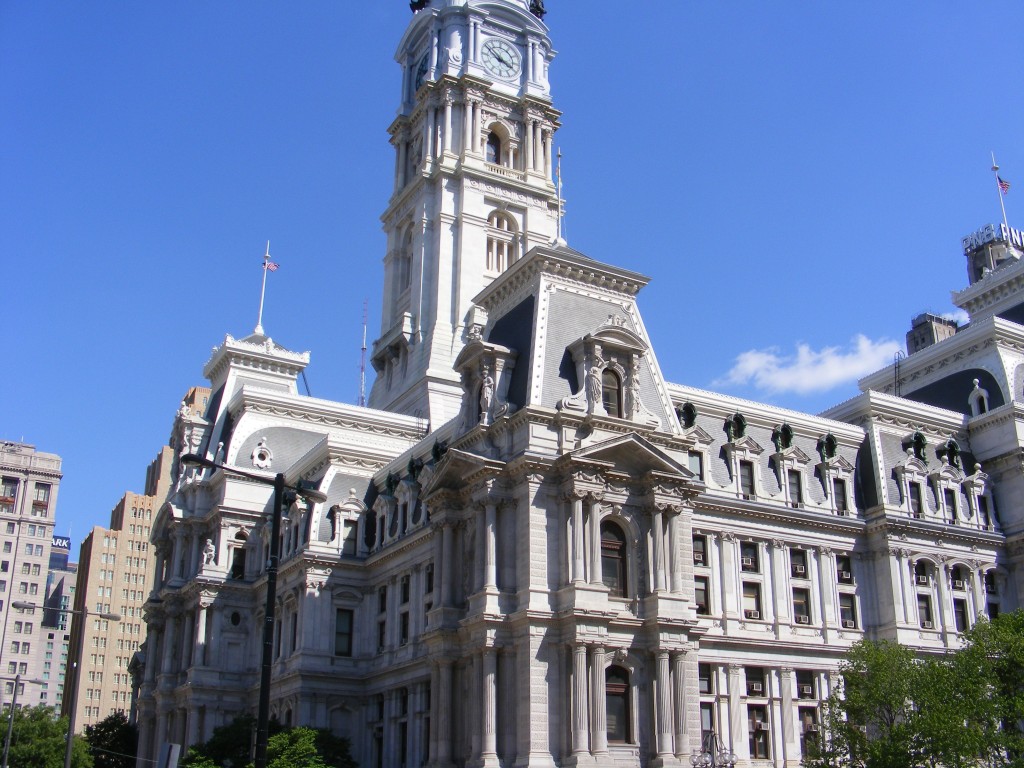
61	542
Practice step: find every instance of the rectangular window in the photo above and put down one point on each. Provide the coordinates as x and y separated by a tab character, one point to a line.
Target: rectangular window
749	557
808	729
382	600
429	578
757	722
804	684
343	632
695	461
983	513
403	628
9	488
798	563
844	569
700	550
747	479
796	496
949	500
707	720
700	590
351	537
751	600
802	605
847	610
404	594
705	680
839	489
924	611
916	509
381	634
42	493
960	615
755	681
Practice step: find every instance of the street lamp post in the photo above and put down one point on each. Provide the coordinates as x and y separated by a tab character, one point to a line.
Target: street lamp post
10	715
281	490
71	690
713	753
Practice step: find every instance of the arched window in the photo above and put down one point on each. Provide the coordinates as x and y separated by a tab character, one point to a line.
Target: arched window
501	241
403	265
611	393
493	149
613	559
616	696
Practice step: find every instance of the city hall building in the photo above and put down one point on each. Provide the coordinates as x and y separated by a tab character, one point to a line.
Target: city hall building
535	550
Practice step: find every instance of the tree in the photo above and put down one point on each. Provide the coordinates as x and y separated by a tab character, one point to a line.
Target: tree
113	741
961	709
231	745
38	740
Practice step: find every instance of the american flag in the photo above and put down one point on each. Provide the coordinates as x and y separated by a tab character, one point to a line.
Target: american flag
270	265
1004	186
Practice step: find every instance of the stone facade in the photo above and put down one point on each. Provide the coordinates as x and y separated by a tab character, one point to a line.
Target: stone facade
540	552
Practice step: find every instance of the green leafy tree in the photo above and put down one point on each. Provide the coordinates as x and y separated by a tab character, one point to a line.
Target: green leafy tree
231	745
962	709
39	738
113	741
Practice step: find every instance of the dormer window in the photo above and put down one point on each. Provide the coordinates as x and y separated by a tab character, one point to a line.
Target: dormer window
611	390
978	399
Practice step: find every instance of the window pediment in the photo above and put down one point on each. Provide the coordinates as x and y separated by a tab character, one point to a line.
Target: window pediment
743	447
632	455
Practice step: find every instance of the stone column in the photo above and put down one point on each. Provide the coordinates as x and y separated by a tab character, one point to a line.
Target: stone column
658	549
155	633
944	615
490	544
596	577
447	563
489	748
679	690
547	152
577	539
909	588
403	166
476	127
446	137
187	633
598	713
199	656
467	125
196	548
168	660
579	699
663	693
737	713
789	735
538	146
442	708
675	553
528	146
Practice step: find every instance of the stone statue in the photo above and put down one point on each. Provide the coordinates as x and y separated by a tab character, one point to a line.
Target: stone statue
209	552
417	5
593	383
486	395
537	8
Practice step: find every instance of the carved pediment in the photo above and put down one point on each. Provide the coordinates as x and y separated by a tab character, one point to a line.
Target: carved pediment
791	455
744	444
457	471
632	455
698	435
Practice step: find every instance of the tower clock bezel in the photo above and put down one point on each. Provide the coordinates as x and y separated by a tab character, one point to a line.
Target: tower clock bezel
496	65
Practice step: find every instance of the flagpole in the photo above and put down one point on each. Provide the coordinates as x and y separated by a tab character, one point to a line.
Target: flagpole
560	236
999	190
263	291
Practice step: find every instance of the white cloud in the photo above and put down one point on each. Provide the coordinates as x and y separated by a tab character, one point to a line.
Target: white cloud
961	317
810	370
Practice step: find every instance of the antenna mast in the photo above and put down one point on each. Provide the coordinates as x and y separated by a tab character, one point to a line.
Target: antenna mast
362	363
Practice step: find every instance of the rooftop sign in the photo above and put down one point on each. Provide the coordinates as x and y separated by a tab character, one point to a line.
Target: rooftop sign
990	233
61	542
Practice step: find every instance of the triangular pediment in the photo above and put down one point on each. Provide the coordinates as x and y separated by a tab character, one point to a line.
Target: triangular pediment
457	470
840	463
745	443
699	435
632	455
793	453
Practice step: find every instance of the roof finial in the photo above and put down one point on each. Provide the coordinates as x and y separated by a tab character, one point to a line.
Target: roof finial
268	266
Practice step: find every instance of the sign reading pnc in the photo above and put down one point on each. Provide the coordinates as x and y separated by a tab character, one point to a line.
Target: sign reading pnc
991	232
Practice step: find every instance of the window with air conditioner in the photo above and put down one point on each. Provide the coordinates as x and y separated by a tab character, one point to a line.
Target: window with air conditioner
924	612
802	605
755	680
844	569
700	549
700	589
848	610
750	560
798	563
804	684
757	722
751	600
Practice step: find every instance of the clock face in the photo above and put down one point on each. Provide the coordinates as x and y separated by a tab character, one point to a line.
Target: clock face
500	58
421	71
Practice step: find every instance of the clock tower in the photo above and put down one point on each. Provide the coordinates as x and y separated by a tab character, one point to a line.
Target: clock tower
473	188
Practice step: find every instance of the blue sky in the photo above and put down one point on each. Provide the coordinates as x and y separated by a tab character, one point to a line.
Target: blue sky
793	176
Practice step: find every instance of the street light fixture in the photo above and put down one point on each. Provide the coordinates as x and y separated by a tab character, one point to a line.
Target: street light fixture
71	690
281	490
713	753
10	715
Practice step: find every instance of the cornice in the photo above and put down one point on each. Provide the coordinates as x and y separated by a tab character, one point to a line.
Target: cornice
263	356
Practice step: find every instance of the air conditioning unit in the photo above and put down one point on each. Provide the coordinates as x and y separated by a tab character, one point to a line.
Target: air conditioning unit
958	584
916	515
799	570
752	614
759	726
747	496
921	579
698	558
845	575
849	624
806	690
843	512
811	728
795	504
803	619
754	687
747	562
926	624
